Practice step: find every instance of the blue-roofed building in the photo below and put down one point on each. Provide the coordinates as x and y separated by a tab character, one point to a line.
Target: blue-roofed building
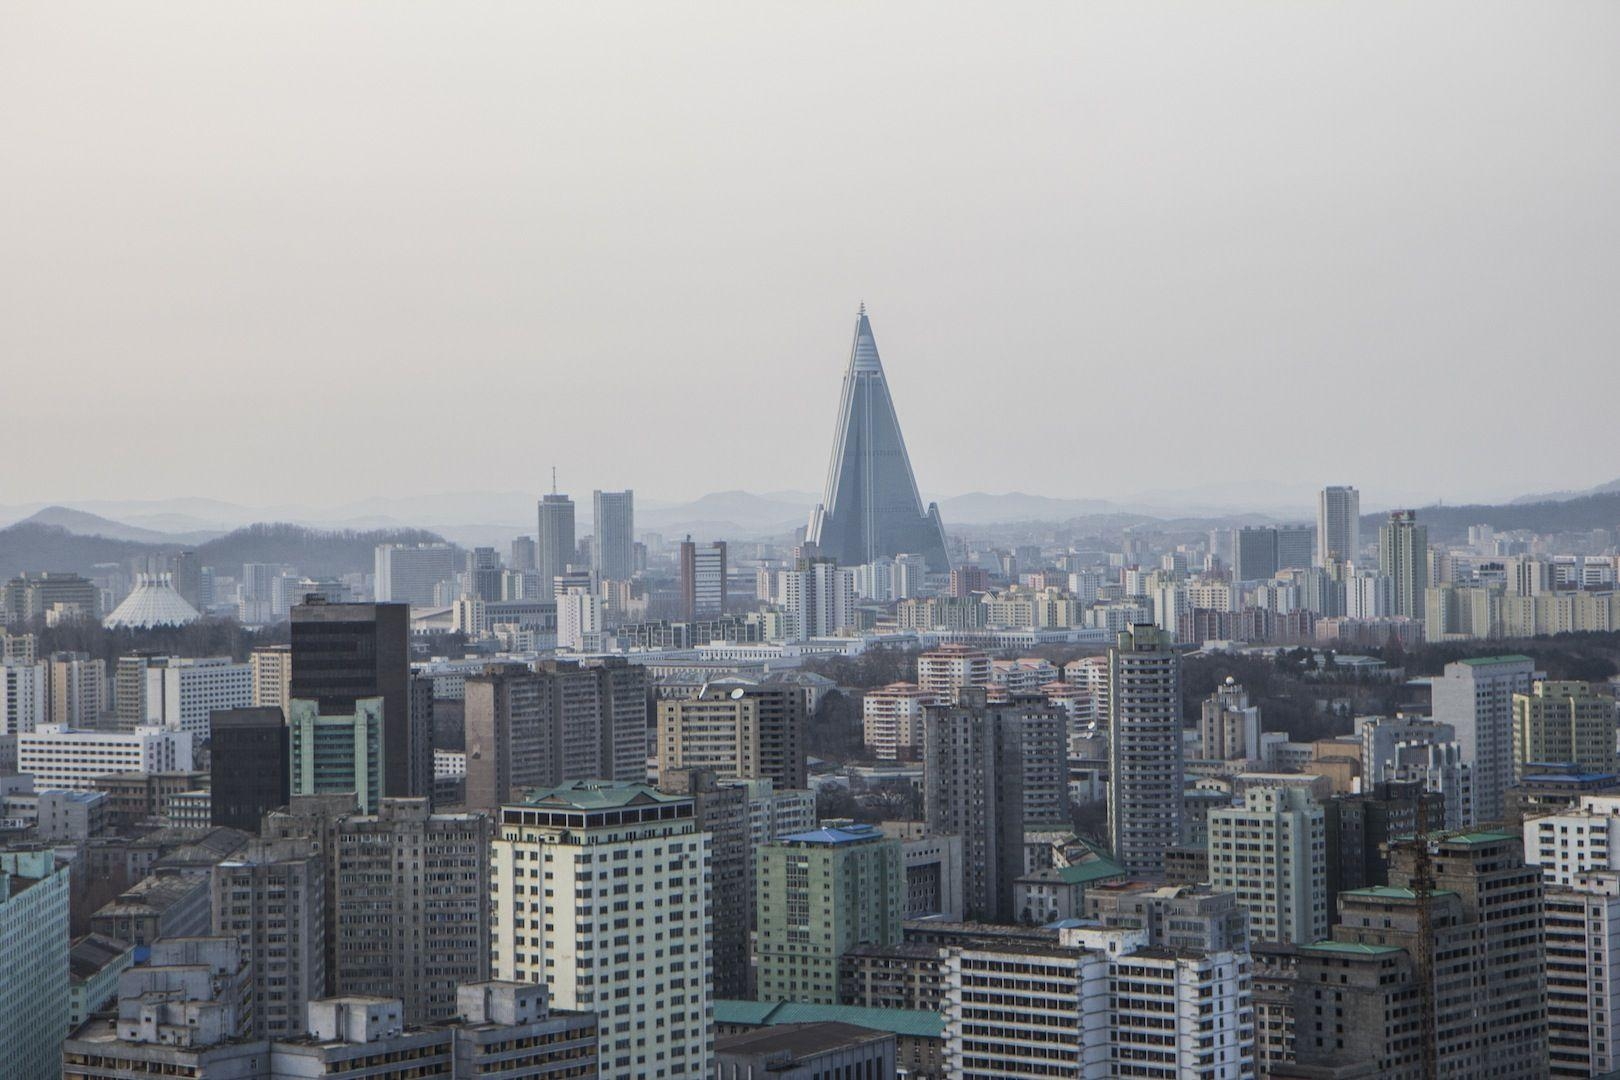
818	894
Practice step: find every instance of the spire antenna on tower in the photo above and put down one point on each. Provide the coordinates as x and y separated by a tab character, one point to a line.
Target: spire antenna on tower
554	479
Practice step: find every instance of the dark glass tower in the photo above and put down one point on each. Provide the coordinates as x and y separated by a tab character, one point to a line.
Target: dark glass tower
342	653
248	762
871	506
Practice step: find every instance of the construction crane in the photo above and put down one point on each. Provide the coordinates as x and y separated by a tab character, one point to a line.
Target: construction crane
1423	895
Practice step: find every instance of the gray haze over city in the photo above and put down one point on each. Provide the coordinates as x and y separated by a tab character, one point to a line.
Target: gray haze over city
306	253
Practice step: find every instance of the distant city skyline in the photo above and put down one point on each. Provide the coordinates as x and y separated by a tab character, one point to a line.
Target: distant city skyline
1298	221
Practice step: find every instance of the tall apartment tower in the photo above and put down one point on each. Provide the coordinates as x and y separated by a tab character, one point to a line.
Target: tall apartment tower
614	519
554	541
336	754
1403	557
1228	726
271	897
1146	770
820	894
721	809
34	936
702	579
423	878
871	506
22	697
744	731
1338	525
248	756
272	676
1583	951
76	689
1272	853
639	958
530	728
943	671
1567	723
344	653
1476	698
973	776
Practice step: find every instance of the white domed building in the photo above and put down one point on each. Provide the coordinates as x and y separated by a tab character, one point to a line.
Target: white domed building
153	603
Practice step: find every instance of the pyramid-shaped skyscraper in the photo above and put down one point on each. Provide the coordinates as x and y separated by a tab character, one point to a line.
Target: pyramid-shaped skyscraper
871	506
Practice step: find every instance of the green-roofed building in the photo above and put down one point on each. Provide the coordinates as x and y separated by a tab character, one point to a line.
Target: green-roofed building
1356	999
920	1034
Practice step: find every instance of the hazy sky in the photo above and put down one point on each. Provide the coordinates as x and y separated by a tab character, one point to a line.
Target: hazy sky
317	251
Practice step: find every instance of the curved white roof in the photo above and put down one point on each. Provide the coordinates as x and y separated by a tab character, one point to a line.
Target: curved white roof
153	603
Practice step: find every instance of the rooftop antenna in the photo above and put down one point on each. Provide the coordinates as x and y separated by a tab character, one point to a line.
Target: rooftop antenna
554	479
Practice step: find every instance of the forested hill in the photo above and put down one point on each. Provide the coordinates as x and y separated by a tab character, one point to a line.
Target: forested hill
1448	522
317	552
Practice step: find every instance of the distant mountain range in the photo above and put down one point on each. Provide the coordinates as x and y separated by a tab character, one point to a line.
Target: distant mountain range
1565	496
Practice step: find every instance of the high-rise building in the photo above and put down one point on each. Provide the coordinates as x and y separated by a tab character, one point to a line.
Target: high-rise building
640	958
1583	975
819	599
249	755
702	579
721	809
614	519
271	666
1483	934
1271	852
820	894
1338	525
194	687
343	653
337	753
871	506
579	620
1228	726
892	720
1476	698
530	728
27	598
1096	1003
410	573
973	776
34	938
1567	723
554	541
740	730
1575	840
77	689
1145	756
1403	557
412	905
23	696
523	554
271	897
943	671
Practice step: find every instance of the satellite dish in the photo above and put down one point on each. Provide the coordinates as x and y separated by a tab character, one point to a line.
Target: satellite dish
737	694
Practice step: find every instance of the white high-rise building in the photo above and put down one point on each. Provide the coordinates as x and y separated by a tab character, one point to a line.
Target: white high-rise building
819	600
1146	769
579	620
1096	1000
1272	853
410	573
612	550
1575	841
23	694
892	720
61	758
196	687
599	891
1583	975
1476	698
943	671
1338	524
